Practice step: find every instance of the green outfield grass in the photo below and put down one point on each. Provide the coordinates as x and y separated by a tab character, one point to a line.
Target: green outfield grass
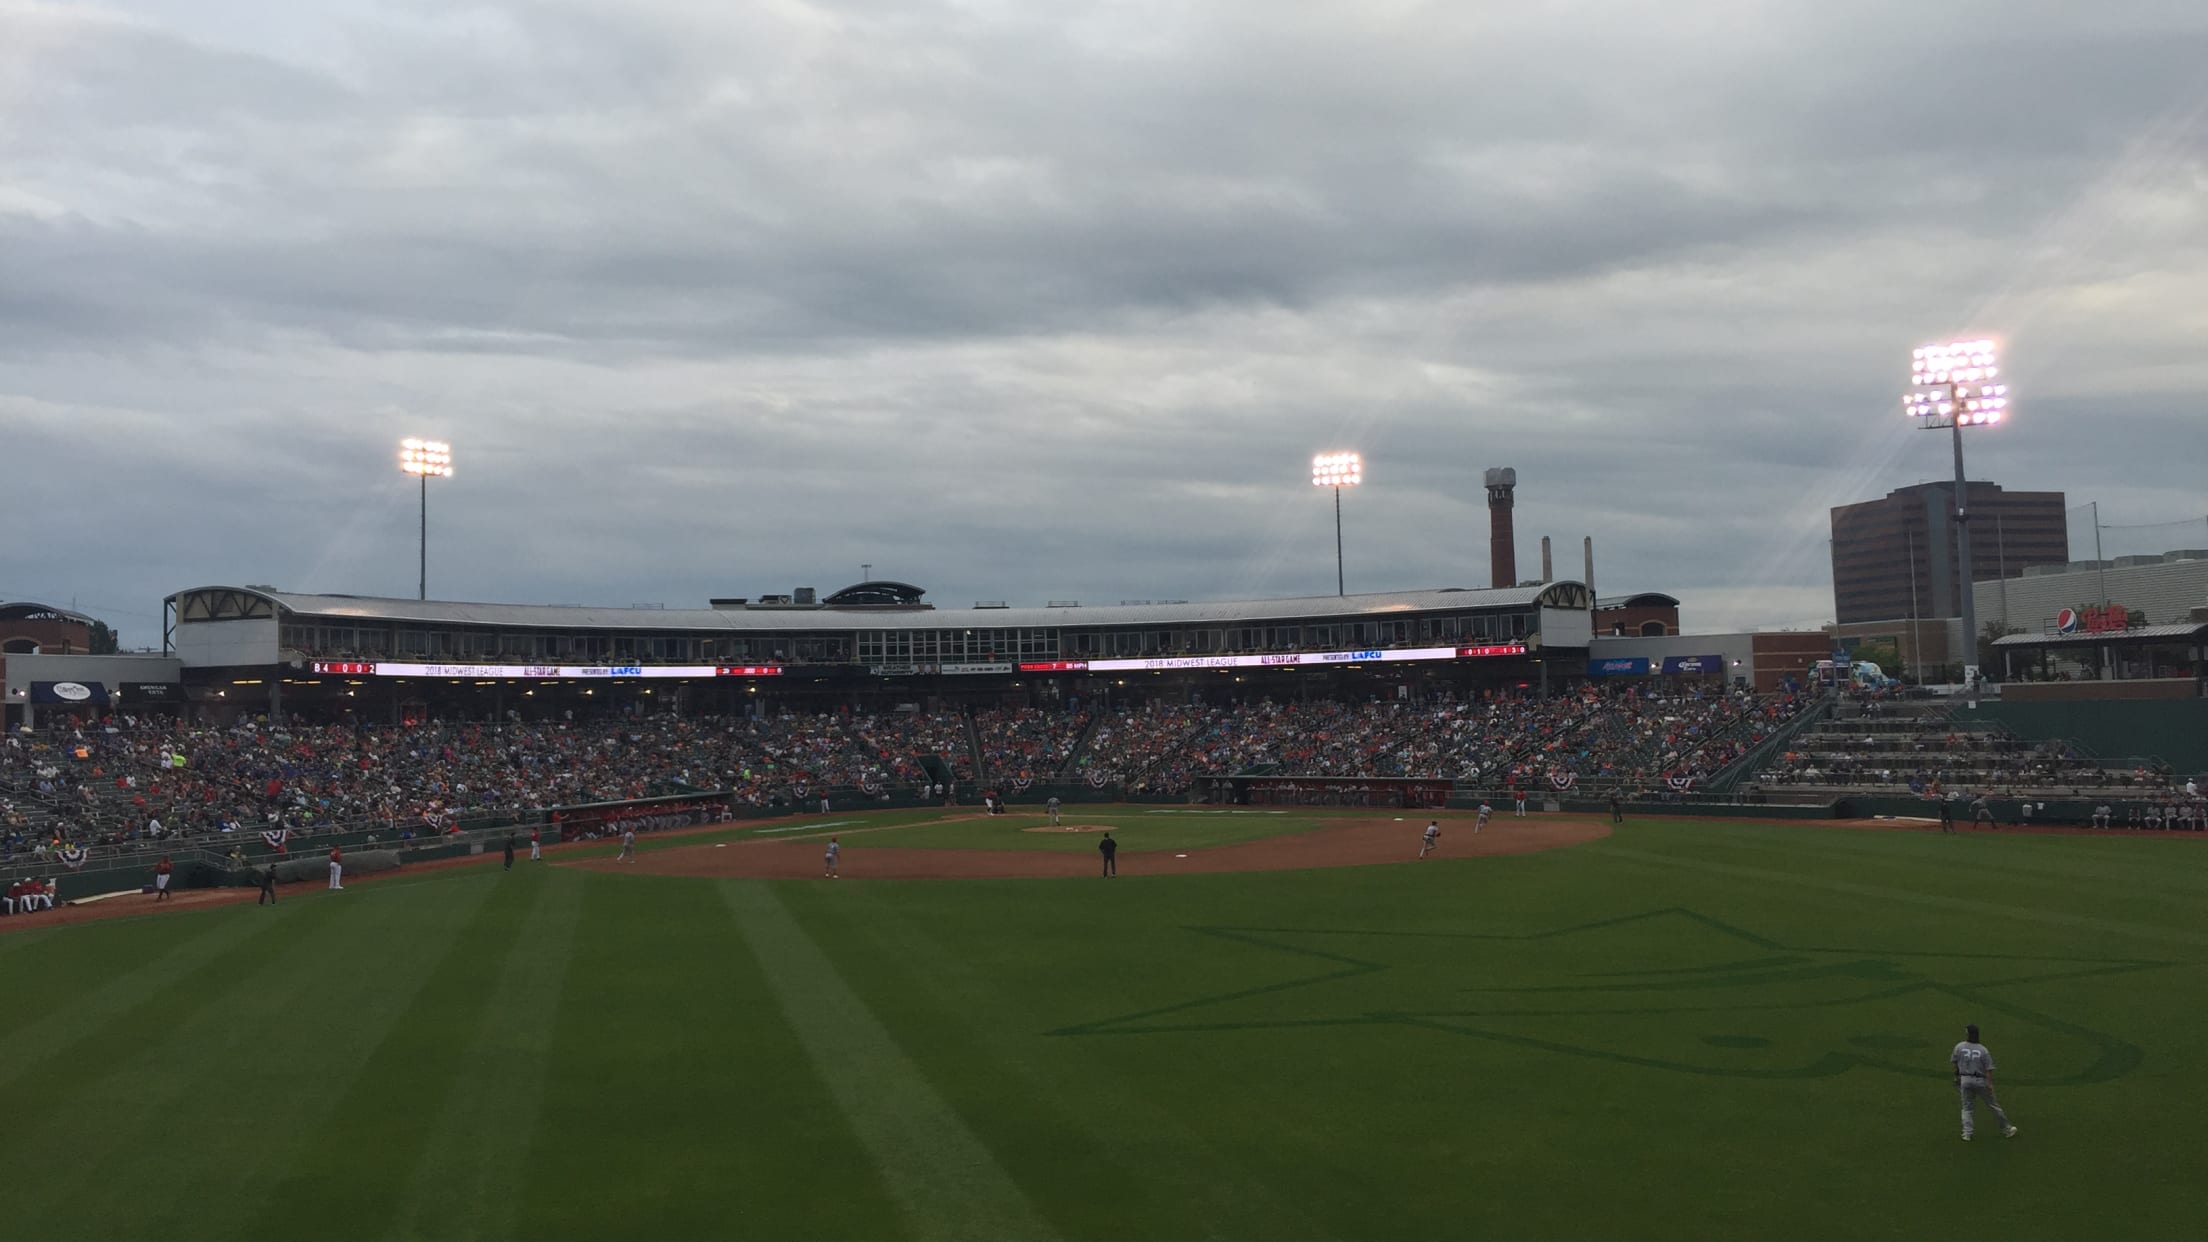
1688	1030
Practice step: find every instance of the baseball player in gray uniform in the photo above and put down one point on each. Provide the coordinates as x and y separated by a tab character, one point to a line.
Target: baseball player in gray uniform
828	864
1974	1081
1432	840
1053	805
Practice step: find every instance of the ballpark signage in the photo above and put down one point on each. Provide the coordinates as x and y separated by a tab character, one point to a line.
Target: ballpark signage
1684	665
1285	659
541	672
2093	619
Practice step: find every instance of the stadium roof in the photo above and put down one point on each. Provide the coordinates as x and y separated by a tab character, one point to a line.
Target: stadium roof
555	616
2144	633
1639	599
23	610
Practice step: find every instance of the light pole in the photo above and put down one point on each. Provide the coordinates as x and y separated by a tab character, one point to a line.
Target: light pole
424	459
1337	470
1953	386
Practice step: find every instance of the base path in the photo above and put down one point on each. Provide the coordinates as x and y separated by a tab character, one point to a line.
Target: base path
1341	843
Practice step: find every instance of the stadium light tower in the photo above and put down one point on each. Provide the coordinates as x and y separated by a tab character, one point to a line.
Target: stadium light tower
426	459
1953	386
1337	470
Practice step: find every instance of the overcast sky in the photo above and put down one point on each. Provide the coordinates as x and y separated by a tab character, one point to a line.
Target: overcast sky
1039	301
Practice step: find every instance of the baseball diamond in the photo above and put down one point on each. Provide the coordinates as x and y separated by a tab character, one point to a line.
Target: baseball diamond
1203	1047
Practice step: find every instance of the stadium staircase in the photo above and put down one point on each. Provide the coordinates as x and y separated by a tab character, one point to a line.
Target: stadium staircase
1080	746
966	727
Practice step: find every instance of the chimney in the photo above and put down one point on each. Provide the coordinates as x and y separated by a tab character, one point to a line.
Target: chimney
1548	566
1589	547
1502	538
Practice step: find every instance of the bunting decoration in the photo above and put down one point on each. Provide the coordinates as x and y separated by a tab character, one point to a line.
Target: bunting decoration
73	856
1679	784
275	838
1563	780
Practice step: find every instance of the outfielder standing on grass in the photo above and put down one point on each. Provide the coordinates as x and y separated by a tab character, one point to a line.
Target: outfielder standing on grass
536	847
1974	1080
337	868
1433	838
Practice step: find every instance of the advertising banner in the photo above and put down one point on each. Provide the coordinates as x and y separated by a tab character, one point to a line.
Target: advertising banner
1619	666
539	672
1688	666
70	693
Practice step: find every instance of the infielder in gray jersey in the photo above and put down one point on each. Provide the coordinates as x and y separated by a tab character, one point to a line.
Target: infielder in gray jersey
1974	1081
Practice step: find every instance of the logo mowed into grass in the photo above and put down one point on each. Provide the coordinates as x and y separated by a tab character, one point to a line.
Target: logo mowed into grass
1668	990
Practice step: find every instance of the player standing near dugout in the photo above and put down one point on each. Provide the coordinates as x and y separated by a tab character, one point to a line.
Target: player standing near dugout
161	872
1974	1080
536	847
337	868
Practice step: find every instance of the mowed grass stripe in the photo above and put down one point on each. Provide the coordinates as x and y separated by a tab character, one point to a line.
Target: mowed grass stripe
2134	867
676	1101
77	986
947	1182
1097	1150
417	1047
1908	896
201	1098
466	1182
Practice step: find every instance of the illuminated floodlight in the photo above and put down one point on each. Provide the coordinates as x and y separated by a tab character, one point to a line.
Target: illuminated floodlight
428	458
1337	470
1956	385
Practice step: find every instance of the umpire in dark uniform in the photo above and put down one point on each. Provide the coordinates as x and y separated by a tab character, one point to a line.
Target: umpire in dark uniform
1947	815
268	885
1110	850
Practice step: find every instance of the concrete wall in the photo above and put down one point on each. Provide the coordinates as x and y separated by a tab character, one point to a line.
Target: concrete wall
2166	592
226	644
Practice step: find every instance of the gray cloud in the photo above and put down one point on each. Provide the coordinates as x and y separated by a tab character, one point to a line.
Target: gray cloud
1032	303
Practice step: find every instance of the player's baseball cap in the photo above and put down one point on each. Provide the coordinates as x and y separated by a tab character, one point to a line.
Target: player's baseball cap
1971	1029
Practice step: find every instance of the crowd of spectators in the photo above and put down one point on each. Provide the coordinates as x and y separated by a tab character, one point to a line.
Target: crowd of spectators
122	780
1503	742
1026	743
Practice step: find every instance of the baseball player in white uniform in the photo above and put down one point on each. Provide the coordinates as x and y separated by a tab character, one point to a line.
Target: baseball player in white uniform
828	867
1974	1081
628	845
1481	822
1433	838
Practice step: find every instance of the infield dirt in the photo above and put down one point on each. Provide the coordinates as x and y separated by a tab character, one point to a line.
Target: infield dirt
1359	842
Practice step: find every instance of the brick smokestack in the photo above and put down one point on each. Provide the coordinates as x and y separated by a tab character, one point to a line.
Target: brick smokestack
1502	537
